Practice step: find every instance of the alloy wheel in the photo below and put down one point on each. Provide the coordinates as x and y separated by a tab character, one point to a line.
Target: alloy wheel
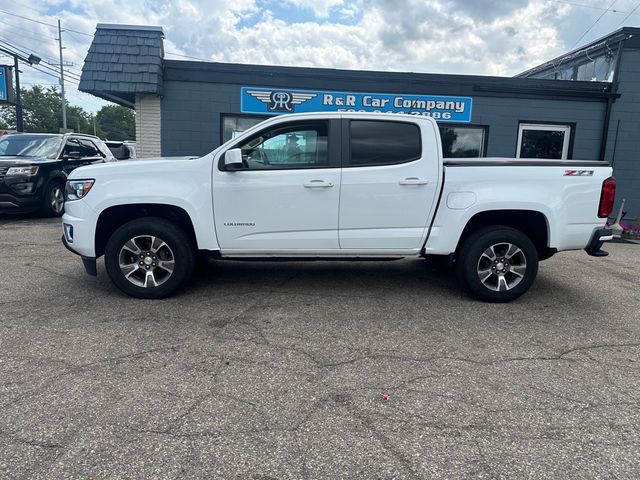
146	261
57	200
501	267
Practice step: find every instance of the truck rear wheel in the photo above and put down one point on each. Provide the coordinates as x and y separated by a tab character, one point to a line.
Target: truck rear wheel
497	264
149	258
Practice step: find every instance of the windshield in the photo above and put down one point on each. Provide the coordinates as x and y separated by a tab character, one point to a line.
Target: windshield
45	146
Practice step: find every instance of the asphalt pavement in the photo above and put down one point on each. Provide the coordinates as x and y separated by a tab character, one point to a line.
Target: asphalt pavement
318	370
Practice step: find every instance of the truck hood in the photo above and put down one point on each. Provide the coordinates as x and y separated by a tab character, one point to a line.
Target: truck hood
140	166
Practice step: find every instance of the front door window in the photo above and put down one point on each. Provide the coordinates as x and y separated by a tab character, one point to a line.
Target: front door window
302	146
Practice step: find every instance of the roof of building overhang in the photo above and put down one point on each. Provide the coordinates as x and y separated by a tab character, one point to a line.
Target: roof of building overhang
123	60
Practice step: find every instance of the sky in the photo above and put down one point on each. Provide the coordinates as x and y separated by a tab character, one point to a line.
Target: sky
481	37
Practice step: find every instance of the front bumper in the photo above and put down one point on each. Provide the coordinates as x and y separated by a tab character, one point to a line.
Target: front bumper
14	200
89	263
19	204
78	229
599	236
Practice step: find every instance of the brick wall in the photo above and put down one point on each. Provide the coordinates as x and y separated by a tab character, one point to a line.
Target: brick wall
148	125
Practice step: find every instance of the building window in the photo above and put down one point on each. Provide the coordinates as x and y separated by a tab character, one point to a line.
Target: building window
376	142
543	141
234	125
462	142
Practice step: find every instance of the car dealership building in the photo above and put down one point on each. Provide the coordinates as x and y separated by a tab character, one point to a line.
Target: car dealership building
582	105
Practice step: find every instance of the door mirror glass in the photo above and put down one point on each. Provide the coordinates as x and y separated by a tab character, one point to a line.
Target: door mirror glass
72	155
233	158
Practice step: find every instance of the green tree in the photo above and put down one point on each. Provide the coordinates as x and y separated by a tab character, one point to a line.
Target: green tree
80	120
42	112
117	123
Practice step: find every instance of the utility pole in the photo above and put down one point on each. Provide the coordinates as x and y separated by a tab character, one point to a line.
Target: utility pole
19	119
31	60
94	125
64	103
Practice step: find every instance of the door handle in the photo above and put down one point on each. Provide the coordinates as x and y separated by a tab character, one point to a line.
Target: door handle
317	184
413	181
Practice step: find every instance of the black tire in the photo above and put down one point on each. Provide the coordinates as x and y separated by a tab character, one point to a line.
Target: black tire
518	275
50	207
176	245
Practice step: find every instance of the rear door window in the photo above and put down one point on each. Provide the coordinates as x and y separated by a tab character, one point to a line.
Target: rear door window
376	142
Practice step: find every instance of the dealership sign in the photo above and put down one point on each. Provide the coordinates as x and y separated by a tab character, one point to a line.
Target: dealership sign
4	87
276	101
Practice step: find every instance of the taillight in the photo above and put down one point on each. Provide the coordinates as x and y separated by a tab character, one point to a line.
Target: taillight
607	197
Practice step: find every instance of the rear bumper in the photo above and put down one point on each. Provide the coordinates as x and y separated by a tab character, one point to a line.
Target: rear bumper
598	237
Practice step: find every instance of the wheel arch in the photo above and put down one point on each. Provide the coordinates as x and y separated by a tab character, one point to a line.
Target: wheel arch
57	176
532	223
113	217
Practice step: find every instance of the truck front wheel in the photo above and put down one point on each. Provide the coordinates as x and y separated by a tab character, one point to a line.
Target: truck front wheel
497	264
149	258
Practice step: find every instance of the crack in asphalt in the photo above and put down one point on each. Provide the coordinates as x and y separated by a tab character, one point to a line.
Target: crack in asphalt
32	443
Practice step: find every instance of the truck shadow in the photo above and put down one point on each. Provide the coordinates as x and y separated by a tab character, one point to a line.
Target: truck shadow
327	278
399	279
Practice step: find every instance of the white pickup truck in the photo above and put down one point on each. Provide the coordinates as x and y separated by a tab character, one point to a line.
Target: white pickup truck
336	186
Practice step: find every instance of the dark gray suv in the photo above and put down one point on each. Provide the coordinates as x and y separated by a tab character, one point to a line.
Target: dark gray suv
34	169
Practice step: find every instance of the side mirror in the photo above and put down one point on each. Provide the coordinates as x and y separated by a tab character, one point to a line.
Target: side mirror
233	158
72	155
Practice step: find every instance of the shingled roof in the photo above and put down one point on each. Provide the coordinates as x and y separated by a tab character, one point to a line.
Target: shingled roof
123	60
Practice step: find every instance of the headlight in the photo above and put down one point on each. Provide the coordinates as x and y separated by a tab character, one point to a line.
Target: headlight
76	189
29	171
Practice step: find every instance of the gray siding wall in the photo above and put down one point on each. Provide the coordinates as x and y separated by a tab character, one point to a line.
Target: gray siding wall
191	114
503	116
625	116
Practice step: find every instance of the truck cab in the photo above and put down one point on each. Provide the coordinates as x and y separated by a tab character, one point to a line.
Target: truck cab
331	185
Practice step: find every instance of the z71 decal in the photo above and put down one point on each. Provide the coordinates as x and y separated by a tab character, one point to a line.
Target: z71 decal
578	173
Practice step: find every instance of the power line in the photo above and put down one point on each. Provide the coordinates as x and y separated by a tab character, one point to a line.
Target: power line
15	47
44	23
15	28
589	6
73	53
44	71
630	13
57	71
51	39
42	64
594	24
188	56
77	73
